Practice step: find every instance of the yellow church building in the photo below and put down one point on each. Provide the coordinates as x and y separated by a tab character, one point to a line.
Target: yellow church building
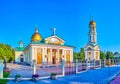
50	50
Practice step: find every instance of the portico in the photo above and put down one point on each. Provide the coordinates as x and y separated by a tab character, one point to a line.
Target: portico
50	54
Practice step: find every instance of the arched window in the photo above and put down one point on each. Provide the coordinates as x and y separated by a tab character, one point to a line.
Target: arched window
21	55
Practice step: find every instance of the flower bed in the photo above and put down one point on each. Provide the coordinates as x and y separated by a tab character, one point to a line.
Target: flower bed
17	77
53	76
35	77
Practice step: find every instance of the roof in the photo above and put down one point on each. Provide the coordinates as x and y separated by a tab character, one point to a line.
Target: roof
19	48
93	44
51	44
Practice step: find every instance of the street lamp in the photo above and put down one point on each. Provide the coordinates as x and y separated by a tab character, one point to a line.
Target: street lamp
109	66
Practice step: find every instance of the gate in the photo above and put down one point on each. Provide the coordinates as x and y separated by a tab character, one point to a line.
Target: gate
97	64
91	64
69	68
81	65
102	63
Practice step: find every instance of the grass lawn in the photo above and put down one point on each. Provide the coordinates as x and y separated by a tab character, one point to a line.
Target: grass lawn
5	75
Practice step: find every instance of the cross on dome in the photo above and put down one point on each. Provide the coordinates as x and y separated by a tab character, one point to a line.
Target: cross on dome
36	30
54	31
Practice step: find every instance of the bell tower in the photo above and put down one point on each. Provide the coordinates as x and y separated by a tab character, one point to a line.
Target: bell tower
92	50
92	32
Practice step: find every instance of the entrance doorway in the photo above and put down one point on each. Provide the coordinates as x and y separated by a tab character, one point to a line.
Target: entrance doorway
54	60
54	56
21	60
39	56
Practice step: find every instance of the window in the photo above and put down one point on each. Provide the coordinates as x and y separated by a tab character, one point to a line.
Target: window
96	55
21	55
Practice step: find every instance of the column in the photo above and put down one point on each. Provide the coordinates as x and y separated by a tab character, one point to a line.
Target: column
1	68
93	55
58	56
43	55
71	55
86	64
65	54
35	54
32	56
50	56
100	63
104	62
94	63
86	55
34	66
63	67
45	58
76	65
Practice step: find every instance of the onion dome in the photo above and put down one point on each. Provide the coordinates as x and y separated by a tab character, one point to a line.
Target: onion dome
36	37
92	22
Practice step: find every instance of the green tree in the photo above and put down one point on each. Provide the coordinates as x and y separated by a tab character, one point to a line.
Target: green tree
81	54
116	53
75	55
2	53
109	55
6	51
102	55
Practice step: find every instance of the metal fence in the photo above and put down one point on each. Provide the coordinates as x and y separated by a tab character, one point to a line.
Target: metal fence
82	65
69	68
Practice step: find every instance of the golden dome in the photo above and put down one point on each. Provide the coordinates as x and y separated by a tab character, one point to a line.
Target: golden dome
92	23
36	37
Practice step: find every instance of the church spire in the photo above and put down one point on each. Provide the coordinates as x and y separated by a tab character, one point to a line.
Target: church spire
92	32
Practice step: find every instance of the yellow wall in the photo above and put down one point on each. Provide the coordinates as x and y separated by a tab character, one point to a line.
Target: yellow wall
17	55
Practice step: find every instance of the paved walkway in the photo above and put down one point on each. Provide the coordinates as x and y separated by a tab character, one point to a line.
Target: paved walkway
27	71
98	76
116	80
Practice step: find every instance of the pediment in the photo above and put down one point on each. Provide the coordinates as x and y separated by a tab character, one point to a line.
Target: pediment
89	48
54	40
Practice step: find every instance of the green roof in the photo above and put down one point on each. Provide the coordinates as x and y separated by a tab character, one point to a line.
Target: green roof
19	48
50	44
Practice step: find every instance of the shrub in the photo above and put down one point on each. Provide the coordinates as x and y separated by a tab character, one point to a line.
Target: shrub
53	74
35	75
4	81
17	76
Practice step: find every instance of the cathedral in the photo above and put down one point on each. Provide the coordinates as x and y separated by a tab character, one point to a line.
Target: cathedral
92	50
50	50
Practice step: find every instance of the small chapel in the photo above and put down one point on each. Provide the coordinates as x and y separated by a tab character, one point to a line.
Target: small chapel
50	50
92	50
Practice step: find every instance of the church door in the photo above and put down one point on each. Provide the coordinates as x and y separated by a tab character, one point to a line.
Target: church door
39	59
54	60
39	56
21	60
54	56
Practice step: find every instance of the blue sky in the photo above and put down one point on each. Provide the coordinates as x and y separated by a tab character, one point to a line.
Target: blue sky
18	19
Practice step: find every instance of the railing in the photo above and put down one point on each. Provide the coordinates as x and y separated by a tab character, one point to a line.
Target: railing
71	67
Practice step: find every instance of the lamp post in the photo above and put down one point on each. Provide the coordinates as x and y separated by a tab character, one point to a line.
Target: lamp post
34	66
5	65
109	66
